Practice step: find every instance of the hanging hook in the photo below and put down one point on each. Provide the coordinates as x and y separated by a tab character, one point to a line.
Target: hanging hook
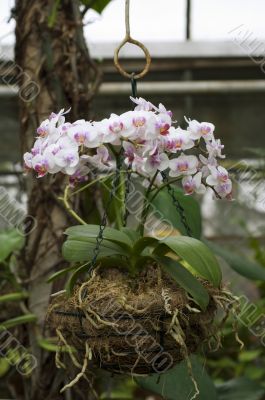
129	39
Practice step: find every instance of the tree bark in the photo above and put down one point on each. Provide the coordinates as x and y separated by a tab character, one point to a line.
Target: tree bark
55	71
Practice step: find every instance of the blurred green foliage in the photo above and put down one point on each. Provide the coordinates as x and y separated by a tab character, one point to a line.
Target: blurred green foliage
229	361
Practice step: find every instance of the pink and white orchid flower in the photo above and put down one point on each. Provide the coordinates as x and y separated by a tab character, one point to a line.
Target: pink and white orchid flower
218	175
193	184
84	134
156	161
224	190
142	104
151	142
183	165
139	125
177	140
101	160
206	163
161	109
200	129
214	148
49	125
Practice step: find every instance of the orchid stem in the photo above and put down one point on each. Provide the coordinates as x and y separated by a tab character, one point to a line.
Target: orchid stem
68	207
90	184
163	186
146	205
119	194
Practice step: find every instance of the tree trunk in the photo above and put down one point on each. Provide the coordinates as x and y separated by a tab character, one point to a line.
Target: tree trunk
55	71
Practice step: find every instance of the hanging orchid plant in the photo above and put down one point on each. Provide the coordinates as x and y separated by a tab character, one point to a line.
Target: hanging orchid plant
176	278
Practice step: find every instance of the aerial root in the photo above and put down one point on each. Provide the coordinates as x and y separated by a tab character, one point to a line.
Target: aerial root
58	362
218	339
122	301
235	328
107	350
177	333
167	300
159	277
99	319
88	310
231	305
101	323
119	354
135	364
154	325
69	348
197	391
192	309
88	356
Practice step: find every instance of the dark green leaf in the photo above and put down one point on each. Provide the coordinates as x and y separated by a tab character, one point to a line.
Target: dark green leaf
185	279
240	389
73	278
23	319
143	261
83	232
60	273
114	261
49	345
132	234
198	256
249	355
176	383
10	241
79	250
97	5
13	297
240	264
143	243
164	205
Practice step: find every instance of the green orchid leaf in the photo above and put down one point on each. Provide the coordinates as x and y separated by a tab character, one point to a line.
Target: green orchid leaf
97	5
240	264
142	261
114	261
143	243
84	232
73	278
240	389
49	345
60	273
13	297
83	250
132	234
185	279
167	210
23	319
10	240
200	258
176	384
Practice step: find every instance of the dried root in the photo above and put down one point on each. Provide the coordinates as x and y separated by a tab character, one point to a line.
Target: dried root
167	300
88	356
177	333
230	304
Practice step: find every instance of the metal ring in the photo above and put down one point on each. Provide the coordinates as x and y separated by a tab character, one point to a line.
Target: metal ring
128	39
